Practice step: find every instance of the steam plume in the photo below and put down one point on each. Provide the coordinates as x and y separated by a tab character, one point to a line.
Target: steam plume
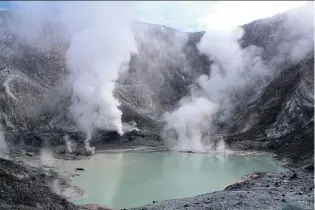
233	68
100	41
186	126
238	74
95	56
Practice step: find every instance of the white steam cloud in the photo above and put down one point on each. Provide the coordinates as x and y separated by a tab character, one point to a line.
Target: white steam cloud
100	42
95	56
297	38
233	68
237	75
186	126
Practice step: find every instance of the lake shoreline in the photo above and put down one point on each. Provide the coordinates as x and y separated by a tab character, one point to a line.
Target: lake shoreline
172	172
277	190
292	188
258	191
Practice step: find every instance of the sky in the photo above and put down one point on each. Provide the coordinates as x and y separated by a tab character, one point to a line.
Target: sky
201	15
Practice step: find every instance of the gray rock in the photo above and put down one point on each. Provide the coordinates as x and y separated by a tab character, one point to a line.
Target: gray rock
249	194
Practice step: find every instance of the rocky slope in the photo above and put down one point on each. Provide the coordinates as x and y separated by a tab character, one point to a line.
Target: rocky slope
31	188
281	119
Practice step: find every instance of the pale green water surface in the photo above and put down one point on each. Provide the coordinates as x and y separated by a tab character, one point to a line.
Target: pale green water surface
122	180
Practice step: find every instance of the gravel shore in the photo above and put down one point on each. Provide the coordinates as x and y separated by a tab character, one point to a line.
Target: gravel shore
293	189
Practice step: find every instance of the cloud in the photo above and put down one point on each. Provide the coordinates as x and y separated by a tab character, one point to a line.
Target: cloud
193	15
200	15
226	14
182	15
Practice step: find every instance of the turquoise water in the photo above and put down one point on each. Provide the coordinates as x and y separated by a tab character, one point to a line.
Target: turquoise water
133	179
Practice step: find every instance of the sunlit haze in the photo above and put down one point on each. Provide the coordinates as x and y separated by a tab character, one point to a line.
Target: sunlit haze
198	15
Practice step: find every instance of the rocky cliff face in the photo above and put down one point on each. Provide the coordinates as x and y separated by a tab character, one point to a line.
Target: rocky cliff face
34	99
281	119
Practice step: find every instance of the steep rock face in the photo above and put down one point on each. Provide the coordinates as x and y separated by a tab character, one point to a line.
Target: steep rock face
28	76
286	100
282	116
